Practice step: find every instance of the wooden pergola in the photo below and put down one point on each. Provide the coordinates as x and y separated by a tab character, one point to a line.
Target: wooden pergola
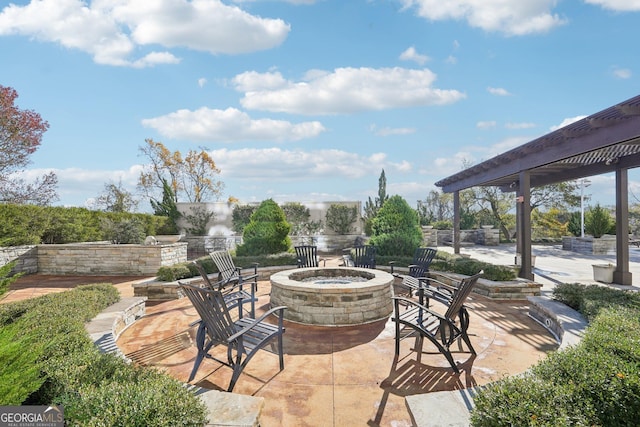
607	141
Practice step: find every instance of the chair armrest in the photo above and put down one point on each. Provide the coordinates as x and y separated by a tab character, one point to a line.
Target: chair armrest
257	322
410	302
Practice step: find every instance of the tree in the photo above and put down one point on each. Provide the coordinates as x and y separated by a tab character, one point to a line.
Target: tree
598	221
437	206
340	218
395	229
561	196
198	218
192	178
267	232
241	217
298	216
20	136
496	205
167	207
371	207
116	198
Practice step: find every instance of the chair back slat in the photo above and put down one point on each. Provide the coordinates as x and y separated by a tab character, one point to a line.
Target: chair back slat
422	259
307	256
205	277
461	294
364	256
225	264
213	311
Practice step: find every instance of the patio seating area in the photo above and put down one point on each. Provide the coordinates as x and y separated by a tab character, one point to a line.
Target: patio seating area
335	376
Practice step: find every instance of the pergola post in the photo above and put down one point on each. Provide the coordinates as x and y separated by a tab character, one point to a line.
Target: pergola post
524	225
622	275
456	222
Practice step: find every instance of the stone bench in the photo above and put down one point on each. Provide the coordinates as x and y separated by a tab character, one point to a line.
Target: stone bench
452	408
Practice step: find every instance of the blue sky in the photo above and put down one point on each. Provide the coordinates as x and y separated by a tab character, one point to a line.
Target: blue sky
305	100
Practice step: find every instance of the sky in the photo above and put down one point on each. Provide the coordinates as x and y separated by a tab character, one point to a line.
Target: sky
309	100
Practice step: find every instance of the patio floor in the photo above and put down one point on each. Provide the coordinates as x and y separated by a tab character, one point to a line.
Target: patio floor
343	376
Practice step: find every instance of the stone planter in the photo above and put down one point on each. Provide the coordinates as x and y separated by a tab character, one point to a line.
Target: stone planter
603	272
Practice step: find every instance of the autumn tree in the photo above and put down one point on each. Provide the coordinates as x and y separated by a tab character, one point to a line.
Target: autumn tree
20	136
192	178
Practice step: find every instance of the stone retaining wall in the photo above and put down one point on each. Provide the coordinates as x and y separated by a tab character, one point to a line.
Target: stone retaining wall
590	246
486	236
108	259
26	258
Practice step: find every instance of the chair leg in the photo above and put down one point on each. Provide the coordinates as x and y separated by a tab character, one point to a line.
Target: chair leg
201	336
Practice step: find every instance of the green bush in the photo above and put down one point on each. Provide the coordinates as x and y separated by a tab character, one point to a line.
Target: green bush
30	225
590	299
267	232
174	272
395	229
340	218
595	383
598	221
48	358
6	279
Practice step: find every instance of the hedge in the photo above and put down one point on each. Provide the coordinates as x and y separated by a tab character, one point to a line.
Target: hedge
48	358
595	383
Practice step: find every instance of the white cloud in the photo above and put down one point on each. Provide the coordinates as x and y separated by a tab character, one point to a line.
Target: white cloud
511	17
230	125
411	55
523	125
488	124
498	91
617	5
622	73
345	90
113	30
566	122
202	81
387	131
278	164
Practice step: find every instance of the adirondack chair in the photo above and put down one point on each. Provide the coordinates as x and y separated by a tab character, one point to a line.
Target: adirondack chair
307	256
234	293
422	258
228	272
441	329
364	256
243	336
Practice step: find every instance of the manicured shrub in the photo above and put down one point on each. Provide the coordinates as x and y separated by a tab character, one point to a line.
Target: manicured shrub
267	232
48	358
174	272
595	383
395	229
598	221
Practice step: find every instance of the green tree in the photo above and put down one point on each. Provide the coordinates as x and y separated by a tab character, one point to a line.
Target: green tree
241	217
20	136
395	229
198	218
298	216
167	207
267	231
340	218
548	224
598	221
372	207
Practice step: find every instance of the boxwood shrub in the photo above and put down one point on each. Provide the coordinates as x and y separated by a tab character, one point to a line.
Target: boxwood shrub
595	383
48	358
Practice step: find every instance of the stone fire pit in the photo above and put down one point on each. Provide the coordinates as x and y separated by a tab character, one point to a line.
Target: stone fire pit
333	296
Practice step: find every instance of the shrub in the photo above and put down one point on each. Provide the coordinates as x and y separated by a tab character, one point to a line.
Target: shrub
174	272
598	221
241	217
340	218
267	232
596	382
48	358
5	278
124	231
395	229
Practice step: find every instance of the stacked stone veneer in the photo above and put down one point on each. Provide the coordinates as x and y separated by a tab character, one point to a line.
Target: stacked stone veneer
486	236
108	259
589	245
333	304
26	258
